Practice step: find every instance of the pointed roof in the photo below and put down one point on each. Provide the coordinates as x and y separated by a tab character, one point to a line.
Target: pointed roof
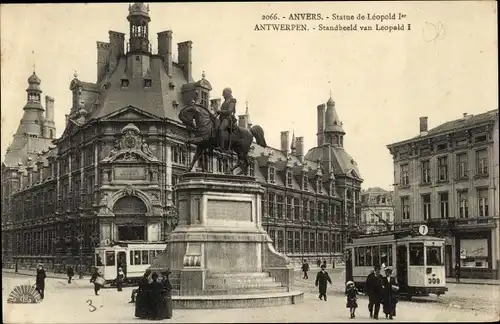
293	146
34	79
332	120
138	9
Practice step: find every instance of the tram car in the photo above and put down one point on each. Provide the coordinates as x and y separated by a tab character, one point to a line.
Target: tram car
133	258
417	262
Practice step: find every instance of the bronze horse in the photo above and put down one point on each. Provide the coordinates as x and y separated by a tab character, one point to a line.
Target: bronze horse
205	125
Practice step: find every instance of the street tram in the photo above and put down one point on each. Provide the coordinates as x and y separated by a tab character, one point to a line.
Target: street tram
417	262
133	258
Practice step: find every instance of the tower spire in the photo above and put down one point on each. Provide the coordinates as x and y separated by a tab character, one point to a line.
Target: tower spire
34	61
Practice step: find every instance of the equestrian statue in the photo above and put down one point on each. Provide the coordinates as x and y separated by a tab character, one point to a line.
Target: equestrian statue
220	131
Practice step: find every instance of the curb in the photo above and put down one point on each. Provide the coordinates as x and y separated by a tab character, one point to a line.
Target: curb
475	283
49	275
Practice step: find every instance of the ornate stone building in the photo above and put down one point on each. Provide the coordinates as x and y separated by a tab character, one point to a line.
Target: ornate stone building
111	175
447	178
377	210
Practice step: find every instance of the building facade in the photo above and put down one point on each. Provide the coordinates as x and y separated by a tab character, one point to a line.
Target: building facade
447	178
377	210
111	175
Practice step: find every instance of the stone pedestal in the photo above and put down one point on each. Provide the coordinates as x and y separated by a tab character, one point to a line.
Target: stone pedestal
219	247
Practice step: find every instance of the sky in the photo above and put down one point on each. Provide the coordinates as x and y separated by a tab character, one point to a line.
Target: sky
382	82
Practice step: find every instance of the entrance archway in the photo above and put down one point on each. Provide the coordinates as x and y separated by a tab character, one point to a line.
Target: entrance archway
130	219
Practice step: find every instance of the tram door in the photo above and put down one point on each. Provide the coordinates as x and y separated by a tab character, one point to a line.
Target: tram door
121	262
348	265
402	265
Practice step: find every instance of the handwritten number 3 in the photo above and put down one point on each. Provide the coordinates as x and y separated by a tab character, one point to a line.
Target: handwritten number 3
432	32
90	305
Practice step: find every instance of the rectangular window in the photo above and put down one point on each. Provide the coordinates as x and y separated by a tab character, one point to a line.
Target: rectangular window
443	205
305	241
426	206
463	204
280	246
368	256
405	178
279	203
332	242
296	208
312	211
272	234
482	197
289	178
305	183
204	99
482	162
289	209
320	242
270	200
443	168
296	247
462	165
289	241
312	245
110	258
416	254
325	242
251	169
405	207
360	253
426	172
271	174
305	209
433	254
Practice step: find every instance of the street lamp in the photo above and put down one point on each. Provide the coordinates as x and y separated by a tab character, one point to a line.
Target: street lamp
80	241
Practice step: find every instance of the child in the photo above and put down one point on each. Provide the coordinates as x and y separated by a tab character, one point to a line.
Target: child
351	293
322	279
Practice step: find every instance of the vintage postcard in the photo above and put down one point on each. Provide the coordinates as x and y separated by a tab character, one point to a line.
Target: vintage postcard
281	161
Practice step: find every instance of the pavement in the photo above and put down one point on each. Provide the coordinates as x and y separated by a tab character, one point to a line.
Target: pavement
65	304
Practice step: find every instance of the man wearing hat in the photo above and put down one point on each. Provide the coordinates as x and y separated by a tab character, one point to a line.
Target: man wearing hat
322	279
389	293
373	288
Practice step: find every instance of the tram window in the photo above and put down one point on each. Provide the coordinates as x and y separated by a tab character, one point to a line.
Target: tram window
145	259
136	258
384	259
110	258
376	255
416	254
152	254
98	260
433	256
368	256
360	256
159	252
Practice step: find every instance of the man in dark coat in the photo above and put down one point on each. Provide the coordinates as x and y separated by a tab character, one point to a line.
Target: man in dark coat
40	280
305	268
322	279
457	272
390	289
373	288
70	273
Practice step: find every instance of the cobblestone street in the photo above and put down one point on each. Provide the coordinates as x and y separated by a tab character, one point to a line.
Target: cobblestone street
70	304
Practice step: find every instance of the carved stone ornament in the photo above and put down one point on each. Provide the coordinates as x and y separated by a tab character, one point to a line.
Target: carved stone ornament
129	191
104	199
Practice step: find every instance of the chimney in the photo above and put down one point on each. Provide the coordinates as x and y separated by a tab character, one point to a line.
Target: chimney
184	58
116	48
165	49
467	116
49	108
423	126
300	148
102	59
321	124
285	142
242	121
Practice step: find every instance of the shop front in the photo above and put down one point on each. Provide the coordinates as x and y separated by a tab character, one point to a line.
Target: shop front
474	252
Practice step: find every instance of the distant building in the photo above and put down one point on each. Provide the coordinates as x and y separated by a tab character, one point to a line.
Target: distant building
377	210
111	176
447	178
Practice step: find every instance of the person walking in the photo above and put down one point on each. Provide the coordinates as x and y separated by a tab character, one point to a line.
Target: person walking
373	288
390	289
40	280
305	269
457	272
119	279
322	280
351	293
70	273
97	280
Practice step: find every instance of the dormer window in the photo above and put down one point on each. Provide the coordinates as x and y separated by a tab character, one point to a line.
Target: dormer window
271	174
289	176
147	83
125	83
204	99
305	183
319	186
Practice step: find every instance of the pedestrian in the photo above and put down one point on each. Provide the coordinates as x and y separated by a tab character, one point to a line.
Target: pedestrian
40	280
143	282
322	279
390	289
324	263
70	273
318	263
351	292
142	300
373	288
119	279
98	281
305	268
156	300
457	272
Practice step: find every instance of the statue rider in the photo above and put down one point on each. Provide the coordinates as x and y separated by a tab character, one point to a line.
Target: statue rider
226	116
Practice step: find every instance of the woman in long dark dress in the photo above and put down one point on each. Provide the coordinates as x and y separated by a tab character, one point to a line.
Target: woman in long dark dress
142	301
390	289
40	280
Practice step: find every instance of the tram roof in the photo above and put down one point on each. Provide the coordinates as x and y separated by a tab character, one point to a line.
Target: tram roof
387	238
